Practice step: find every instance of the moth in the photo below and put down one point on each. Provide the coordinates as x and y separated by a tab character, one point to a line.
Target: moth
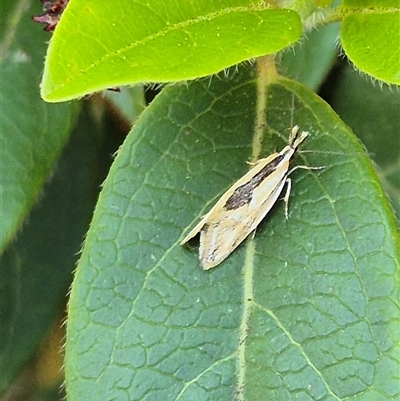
245	204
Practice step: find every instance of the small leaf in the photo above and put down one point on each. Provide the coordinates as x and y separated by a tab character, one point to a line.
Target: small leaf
101	44
304	308
370	37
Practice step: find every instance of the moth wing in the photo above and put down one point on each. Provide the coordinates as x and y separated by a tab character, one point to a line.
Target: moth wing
265	203
220	237
194	231
214	212
198	227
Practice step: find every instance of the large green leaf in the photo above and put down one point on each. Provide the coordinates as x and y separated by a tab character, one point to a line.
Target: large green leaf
100	44
307	309
32	133
371	36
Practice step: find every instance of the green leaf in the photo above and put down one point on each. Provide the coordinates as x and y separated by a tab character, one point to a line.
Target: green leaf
308	308
32	132
371	36
312	57
100	44
36	270
373	114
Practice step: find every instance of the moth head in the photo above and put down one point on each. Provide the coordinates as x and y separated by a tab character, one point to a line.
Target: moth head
296	138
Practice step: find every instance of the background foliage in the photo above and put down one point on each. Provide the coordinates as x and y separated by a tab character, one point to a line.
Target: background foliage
308	309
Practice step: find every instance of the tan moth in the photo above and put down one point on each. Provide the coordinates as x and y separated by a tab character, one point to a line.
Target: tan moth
245	204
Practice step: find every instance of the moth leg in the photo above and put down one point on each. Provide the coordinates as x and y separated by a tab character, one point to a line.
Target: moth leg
289	185
305	168
286	197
